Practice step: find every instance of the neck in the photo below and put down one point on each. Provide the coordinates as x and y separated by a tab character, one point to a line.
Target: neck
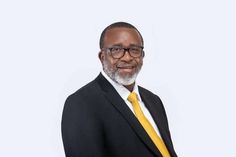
130	87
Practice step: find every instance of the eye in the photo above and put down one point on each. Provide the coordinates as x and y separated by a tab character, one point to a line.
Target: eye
135	50
116	49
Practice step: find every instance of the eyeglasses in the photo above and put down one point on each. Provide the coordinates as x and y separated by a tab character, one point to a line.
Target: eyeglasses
118	52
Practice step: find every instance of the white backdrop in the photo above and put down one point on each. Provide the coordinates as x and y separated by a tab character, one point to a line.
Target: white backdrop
48	50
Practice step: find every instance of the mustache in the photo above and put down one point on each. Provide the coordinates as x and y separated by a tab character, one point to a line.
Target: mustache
123	64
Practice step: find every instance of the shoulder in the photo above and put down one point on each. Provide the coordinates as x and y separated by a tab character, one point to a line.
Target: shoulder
152	99
92	89
148	93
82	103
84	93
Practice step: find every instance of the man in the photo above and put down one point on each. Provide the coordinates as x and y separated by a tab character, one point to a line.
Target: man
112	116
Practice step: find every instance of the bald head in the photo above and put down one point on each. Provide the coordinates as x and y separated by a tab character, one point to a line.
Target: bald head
117	25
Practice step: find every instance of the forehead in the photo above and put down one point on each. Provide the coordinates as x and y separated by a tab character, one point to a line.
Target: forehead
122	36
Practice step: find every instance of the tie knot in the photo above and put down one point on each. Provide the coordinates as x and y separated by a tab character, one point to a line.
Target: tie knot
132	97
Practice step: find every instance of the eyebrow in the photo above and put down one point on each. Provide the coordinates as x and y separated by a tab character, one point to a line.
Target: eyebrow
118	45
136	45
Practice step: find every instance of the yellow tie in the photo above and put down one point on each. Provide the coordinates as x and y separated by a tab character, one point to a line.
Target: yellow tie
147	126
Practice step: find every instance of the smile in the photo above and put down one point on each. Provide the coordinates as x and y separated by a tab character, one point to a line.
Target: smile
126	69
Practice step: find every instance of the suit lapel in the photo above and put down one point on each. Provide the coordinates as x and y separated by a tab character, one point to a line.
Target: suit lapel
115	99
156	110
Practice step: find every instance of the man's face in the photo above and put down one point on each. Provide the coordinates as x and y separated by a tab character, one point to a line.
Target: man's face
123	70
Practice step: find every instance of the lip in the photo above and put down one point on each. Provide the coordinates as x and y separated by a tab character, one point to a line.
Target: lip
126	69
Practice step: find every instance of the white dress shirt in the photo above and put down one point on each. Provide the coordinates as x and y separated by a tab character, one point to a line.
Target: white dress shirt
124	93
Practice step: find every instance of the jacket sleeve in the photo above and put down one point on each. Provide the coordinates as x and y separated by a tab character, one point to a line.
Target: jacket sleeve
81	130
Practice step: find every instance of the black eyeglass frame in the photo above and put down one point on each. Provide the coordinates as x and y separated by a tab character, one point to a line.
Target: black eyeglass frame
124	50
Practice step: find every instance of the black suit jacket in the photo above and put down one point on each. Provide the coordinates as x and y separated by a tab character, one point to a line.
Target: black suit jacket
96	122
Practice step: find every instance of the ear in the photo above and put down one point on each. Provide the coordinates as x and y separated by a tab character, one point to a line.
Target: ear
101	56
143	54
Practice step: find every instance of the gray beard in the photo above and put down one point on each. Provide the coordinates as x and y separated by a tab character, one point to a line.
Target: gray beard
127	80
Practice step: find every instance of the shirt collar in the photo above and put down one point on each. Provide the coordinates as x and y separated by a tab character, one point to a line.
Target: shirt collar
123	92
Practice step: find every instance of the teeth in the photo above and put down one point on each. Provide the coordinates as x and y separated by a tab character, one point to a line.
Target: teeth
126	67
